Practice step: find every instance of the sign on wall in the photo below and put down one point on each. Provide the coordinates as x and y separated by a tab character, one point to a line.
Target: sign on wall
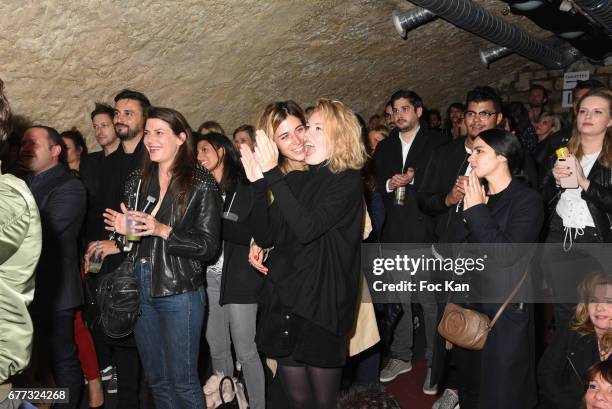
569	83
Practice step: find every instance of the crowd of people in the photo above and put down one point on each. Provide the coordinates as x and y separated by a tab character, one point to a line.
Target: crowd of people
246	248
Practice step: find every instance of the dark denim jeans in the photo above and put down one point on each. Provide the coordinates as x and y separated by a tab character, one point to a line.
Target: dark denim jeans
168	340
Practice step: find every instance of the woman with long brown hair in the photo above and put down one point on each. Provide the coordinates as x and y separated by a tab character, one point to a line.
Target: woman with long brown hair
583	213
177	235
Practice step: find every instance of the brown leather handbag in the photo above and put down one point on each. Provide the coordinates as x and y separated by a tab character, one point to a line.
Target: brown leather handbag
468	328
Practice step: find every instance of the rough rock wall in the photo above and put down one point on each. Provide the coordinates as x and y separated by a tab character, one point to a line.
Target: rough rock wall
224	60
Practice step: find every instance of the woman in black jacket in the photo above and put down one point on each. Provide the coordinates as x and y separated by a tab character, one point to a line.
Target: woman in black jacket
232	284
582	214
308	301
181	231
502	375
573	350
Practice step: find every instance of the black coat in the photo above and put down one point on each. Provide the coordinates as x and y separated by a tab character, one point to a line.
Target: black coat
507	378
407	223
309	298
446	164
60	197
562	367
240	283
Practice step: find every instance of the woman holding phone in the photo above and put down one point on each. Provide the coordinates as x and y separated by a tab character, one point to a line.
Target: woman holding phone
309	297
181	231
581	213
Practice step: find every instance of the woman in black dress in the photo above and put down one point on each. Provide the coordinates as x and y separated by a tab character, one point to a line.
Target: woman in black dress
308	301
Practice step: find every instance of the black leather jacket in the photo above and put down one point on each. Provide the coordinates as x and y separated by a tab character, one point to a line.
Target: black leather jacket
598	197
177	264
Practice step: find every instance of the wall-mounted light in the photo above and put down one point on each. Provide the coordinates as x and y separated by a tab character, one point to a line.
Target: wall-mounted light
527	5
405	22
570	35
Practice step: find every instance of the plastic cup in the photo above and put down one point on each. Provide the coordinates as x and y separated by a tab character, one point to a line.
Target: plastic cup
95	264
130	230
400	195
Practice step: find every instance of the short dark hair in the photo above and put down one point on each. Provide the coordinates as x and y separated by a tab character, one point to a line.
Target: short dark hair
77	138
413	97
540	87
483	94
372	396
245	128
589	84
138	96
54	139
102	108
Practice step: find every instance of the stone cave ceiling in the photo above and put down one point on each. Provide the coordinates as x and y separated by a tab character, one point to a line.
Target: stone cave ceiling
224	60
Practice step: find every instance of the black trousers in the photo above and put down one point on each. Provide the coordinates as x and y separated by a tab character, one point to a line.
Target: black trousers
122	353
54	332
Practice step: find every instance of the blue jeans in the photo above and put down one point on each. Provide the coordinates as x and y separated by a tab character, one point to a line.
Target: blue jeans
168	339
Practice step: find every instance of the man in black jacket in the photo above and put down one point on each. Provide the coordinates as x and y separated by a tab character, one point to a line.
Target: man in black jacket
60	197
104	177
400	161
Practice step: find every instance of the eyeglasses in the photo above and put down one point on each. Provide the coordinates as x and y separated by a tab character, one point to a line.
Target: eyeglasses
404	109
481	114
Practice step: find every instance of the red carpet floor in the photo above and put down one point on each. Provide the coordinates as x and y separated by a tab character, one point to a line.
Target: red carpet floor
408	388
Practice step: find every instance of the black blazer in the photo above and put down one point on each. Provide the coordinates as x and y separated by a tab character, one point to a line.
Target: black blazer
61	200
562	367
240	283
405	224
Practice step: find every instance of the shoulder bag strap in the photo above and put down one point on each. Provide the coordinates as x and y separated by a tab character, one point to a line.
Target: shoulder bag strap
512	294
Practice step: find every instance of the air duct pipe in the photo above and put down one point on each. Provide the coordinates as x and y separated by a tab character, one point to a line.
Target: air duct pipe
471	17
493	54
412	19
600	11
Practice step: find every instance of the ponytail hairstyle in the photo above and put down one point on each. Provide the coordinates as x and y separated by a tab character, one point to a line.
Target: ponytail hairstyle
506	144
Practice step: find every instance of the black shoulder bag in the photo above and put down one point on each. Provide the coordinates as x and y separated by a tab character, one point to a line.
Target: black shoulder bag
118	300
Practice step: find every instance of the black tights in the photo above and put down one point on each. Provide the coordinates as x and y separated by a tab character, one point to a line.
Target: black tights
310	387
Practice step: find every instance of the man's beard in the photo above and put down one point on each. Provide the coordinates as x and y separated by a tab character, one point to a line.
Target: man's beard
125	135
409	127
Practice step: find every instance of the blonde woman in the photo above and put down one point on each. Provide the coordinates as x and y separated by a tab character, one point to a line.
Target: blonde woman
313	273
573	350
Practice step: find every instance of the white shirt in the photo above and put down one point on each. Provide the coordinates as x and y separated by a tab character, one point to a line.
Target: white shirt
572	208
469	167
405	149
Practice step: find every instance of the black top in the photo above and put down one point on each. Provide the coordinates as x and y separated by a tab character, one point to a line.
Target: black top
240	283
562	367
314	224
104	178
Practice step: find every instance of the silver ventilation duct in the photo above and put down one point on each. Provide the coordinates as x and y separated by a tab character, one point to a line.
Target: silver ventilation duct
405	22
493	54
471	17
600	11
